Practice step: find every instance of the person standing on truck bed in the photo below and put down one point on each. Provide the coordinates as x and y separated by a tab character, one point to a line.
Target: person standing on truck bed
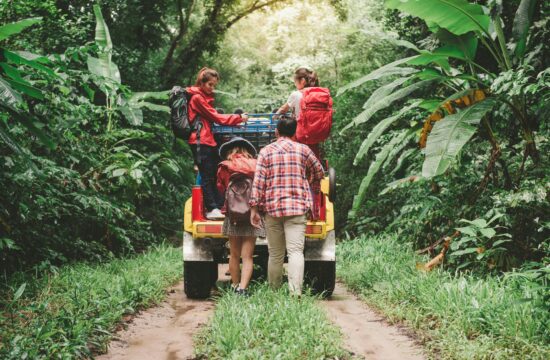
285	170
203	146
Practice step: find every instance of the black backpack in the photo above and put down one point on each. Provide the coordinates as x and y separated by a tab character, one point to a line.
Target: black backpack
180	123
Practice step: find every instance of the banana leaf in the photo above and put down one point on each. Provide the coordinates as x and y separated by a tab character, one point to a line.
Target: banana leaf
449	136
103	64
16	27
457	16
522	22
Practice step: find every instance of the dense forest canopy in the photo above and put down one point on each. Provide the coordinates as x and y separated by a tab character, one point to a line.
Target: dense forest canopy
90	169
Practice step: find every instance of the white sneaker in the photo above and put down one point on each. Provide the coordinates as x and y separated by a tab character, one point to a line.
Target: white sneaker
215	214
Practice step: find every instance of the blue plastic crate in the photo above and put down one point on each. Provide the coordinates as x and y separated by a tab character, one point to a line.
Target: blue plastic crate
259	130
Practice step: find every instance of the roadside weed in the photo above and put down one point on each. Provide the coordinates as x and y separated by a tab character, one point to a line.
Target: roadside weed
269	325
458	316
72	313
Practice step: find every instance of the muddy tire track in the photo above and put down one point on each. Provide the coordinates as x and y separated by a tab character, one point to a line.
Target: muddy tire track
162	332
366	334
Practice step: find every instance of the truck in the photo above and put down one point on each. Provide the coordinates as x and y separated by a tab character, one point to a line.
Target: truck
204	245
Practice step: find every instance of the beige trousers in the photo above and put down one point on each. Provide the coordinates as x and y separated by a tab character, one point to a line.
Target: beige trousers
286	233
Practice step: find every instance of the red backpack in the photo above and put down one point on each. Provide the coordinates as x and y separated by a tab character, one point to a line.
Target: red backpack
315	118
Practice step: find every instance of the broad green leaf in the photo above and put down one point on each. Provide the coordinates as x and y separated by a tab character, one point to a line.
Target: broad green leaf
379	130
383	91
464	252
140	96
384	102
467	230
373	169
103	65
18	59
466	43
26	89
488	232
8	96
457	16
386	70
12	72
430	105
399	183
522	22
133	115
449	135
16	27
102	35
19	292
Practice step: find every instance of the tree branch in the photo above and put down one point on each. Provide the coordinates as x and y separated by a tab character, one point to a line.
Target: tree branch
256	5
183	28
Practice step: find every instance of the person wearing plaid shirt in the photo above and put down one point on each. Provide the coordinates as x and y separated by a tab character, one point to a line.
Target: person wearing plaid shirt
287	173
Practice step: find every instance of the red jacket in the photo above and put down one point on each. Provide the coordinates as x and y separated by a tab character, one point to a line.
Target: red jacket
201	104
238	164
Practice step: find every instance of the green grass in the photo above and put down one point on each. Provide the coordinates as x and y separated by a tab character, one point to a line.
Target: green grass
72	313
458	316
269	325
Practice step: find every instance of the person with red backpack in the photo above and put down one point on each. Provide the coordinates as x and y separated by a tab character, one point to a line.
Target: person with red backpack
311	106
235	177
202	142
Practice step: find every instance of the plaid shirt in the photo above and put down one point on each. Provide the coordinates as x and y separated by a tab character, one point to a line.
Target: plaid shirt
284	172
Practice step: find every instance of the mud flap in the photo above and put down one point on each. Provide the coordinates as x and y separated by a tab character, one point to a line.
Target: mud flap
200	249
321	249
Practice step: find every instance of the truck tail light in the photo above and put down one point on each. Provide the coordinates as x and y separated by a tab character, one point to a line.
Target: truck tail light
314	229
209	228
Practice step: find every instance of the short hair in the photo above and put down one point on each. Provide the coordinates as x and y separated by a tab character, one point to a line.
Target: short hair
286	126
238	111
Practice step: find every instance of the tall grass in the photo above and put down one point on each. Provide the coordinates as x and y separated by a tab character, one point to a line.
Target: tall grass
73	312
460	316
269	325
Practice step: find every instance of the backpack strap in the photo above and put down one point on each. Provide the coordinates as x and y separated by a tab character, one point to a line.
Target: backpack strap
197	124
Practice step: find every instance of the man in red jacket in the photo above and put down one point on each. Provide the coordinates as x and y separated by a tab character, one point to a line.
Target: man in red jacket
204	146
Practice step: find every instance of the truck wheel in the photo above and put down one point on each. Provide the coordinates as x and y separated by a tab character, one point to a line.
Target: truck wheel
320	276
331	185
260	268
197	279
213	273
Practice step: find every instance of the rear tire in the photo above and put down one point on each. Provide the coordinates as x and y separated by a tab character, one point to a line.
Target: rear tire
197	279
260	268
214	273
320	276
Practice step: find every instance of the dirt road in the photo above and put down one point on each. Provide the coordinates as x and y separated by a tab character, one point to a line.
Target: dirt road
163	332
166	331
365	333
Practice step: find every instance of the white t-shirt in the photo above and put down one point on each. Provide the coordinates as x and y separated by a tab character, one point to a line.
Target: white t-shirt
294	102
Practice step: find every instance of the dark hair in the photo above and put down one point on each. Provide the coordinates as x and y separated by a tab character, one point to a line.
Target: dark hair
305	73
286	126
238	111
206	74
220	110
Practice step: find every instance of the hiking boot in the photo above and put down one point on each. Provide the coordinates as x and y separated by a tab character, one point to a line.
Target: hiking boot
215	214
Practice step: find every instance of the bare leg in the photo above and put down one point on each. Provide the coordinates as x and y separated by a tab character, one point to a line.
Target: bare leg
235	243
247	251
